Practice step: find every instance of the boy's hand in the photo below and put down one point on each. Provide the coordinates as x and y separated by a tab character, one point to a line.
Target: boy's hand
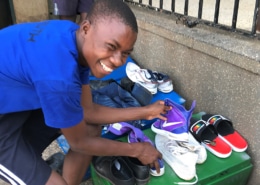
148	155
157	110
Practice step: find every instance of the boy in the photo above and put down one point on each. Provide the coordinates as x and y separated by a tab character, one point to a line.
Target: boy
44	91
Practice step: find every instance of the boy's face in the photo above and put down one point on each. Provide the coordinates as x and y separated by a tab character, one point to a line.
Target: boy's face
105	45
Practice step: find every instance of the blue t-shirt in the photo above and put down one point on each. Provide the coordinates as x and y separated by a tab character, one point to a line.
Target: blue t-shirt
39	69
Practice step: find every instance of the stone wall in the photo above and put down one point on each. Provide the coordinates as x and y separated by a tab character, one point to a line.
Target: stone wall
218	69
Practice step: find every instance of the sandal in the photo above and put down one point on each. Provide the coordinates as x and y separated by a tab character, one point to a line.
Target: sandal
207	135
226	131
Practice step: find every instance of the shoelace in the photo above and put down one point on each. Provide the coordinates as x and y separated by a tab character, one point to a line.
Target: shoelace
189	146
146	76
176	149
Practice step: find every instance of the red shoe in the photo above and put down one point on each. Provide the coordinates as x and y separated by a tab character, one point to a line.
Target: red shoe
207	135
226	131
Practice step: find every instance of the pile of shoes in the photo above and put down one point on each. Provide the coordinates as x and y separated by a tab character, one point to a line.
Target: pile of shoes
151	80
184	138
178	146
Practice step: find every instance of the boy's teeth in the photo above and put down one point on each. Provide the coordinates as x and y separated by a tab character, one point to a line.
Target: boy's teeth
106	68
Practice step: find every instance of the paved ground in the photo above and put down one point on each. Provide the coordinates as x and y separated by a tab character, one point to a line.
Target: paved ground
53	148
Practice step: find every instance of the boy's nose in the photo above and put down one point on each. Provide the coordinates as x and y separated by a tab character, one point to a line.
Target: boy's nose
117	59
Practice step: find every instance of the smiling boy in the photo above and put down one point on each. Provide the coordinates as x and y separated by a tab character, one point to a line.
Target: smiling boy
44	91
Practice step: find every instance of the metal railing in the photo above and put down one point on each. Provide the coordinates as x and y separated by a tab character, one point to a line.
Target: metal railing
169	6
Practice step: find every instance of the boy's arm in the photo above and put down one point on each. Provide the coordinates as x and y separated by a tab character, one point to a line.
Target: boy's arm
98	114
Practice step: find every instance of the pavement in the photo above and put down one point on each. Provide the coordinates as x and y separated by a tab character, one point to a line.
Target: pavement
53	148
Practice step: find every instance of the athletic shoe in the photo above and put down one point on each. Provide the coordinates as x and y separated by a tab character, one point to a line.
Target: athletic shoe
164	82
178	120
180	159
194	146
144	77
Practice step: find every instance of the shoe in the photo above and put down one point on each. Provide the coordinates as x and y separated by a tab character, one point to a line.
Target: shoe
144	77
226	131
141	94
180	159
141	172
164	82
113	169
194	146
136	136
178	120
207	135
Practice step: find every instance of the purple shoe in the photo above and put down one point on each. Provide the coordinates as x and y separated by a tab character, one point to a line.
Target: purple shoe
120	128
137	135
178	120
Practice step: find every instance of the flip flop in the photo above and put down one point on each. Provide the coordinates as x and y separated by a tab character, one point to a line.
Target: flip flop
207	135
226	131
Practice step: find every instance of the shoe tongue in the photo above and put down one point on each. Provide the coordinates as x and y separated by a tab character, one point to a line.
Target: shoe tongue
147	74
117	165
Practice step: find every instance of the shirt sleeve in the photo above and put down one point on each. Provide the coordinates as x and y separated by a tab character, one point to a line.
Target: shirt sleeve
60	102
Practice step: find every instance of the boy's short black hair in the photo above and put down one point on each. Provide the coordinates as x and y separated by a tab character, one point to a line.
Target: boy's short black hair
102	9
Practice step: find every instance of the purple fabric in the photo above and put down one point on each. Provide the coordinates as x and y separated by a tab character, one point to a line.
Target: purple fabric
73	7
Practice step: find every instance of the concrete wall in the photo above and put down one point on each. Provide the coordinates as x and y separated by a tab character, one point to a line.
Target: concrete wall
29	11
219	70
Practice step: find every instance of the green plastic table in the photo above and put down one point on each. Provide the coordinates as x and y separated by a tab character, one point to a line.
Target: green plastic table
234	170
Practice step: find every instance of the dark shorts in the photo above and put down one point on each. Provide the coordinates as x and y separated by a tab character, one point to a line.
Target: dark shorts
23	138
73	7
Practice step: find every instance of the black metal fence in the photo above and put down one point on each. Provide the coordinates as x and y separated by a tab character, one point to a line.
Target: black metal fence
169	6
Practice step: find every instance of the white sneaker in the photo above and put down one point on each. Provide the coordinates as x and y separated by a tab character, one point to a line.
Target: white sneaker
164	82
180	159
144	77
194	146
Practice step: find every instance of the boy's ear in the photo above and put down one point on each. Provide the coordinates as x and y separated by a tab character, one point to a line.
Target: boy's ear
85	26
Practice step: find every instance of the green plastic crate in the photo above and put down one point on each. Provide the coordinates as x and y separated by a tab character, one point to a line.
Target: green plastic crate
234	170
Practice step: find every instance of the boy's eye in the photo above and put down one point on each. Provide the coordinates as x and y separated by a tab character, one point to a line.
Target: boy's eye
126	54
112	47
